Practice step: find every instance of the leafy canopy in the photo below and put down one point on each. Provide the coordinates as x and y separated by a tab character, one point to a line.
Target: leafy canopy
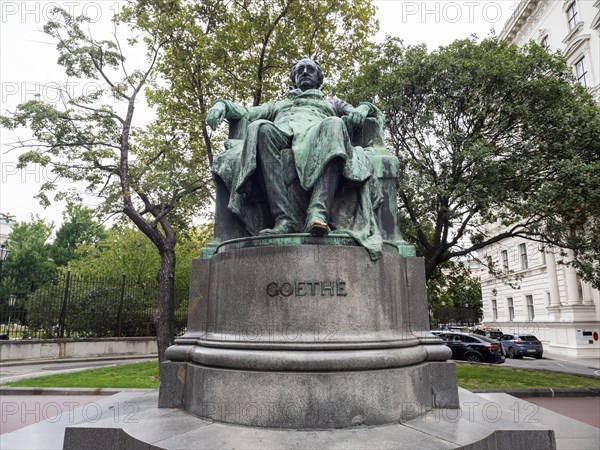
493	140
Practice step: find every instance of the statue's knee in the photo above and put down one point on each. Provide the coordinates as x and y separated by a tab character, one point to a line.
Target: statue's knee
336	121
261	126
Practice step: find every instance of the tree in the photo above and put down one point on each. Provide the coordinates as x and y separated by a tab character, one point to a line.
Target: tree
244	51
487	132
143	173
79	227
158	176
30	263
127	250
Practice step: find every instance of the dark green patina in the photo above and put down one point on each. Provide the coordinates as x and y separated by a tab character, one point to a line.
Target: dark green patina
305	164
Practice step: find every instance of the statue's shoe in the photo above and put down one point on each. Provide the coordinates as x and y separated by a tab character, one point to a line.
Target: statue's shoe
284	226
317	227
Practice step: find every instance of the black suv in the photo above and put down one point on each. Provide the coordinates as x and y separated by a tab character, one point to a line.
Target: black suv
471	347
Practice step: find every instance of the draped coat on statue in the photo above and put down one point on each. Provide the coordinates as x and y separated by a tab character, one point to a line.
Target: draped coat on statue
317	134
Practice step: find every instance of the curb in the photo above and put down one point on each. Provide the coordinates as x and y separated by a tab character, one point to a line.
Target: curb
519	393
31	362
543	392
69	391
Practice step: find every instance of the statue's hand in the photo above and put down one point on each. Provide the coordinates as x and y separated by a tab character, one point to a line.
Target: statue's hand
215	115
354	121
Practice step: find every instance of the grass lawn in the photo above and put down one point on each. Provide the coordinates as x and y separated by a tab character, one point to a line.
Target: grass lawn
475	376
470	376
137	375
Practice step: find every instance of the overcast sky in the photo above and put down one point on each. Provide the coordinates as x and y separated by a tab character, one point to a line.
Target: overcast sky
28	65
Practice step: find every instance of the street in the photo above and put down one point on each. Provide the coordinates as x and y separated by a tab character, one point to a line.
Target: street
589	367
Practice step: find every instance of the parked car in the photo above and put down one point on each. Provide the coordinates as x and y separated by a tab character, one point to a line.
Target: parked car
472	347
494	334
519	345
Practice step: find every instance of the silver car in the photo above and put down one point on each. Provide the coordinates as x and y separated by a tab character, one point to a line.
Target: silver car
519	345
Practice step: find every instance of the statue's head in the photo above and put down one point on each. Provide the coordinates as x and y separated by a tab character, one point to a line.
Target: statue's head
306	74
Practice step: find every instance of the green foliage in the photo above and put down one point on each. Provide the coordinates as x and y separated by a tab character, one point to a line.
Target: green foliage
127	250
93	306
244	51
30	263
79	227
455	287
486	133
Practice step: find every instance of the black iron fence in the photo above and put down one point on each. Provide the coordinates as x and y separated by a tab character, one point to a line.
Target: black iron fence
71	306
441	317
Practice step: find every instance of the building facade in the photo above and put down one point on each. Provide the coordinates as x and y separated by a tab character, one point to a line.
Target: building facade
540	294
571	26
6	224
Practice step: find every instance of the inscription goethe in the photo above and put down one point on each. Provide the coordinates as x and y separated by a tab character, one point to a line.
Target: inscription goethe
307	288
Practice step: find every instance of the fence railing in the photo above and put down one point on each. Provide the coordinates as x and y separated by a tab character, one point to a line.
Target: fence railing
442	316
72	306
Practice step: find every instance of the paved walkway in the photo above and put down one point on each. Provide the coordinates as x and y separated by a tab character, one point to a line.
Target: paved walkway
19	411
137	412
583	409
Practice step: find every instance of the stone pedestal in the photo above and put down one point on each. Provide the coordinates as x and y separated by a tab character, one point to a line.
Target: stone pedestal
309	346
307	337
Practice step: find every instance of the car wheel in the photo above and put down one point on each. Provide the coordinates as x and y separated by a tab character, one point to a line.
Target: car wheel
538	356
511	353
473	357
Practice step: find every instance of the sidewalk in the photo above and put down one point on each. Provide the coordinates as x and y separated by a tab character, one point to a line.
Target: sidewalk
137	412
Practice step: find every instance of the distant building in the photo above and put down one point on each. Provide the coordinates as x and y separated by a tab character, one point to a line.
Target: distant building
550	301
571	26
6	224
547	299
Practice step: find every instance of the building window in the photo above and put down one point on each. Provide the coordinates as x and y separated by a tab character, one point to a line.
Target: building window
572	16
581	72
494	310
543	255
523	254
545	42
511	309
530	311
504	254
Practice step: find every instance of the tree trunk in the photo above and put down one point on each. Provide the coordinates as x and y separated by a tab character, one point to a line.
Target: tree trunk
165	311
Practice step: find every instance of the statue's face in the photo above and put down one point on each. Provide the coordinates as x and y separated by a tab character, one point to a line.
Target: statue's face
307	75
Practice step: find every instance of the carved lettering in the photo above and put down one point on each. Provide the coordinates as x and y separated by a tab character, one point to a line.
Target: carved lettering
300	289
326	286
312	287
307	288
272	289
286	289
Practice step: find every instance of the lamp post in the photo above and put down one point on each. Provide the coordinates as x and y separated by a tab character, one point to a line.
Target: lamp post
12	298
3	255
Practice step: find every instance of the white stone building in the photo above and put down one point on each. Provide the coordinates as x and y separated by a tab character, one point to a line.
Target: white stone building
542	297
571	26
6	224
550	301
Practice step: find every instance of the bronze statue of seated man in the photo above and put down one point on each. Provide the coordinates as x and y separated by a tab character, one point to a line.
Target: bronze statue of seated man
301	186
